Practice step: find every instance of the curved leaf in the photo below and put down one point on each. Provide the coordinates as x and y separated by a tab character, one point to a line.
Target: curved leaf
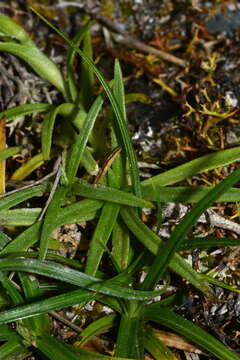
20	196
186	328
193	167
22	110
40	63
107	193
26	169
4	154
65	274
169	248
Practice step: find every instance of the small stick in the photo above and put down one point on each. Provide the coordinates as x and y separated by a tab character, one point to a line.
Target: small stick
107	164
54	187
65	321
132	42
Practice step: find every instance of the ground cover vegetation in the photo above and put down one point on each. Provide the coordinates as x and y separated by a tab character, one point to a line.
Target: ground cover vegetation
123	263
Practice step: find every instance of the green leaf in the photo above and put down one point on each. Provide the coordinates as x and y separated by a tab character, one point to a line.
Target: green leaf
151	241
19	217
100	237
10	28
71	54
156	347
83	210
98	326
121	249
43	306
86	74
107	193
119	115
55	350
130	338
207	242
39	62
50	220
13	293
22	110
4	154
76	152
26	169
186	328
20	196
4	240
13	349
37	325
168	250
7	334
62	273
65	110
186	194
193	167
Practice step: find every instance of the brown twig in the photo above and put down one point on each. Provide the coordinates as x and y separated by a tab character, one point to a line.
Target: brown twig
130	41
65	321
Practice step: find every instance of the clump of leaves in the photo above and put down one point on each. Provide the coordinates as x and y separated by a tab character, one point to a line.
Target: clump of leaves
113	203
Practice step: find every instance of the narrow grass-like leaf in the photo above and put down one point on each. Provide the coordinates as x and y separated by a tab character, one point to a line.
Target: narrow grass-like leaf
152	242
193	167
62	273
86	74
7	334
22	110
216	282
99	326
50	256
39	324
120	117
71	54
26	169
55	350
156	347
83	210
4	154
70	111
20	196
121	249
13	30
49	223
186	328
119	165
130	338
186	194
19	217
13	349
77	150
118	88
64	109
4	240
110	194
26	239
13	293
207	243
170	247
43	306
39	62
101	236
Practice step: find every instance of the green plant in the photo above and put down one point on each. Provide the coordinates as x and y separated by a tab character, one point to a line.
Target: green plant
113	205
